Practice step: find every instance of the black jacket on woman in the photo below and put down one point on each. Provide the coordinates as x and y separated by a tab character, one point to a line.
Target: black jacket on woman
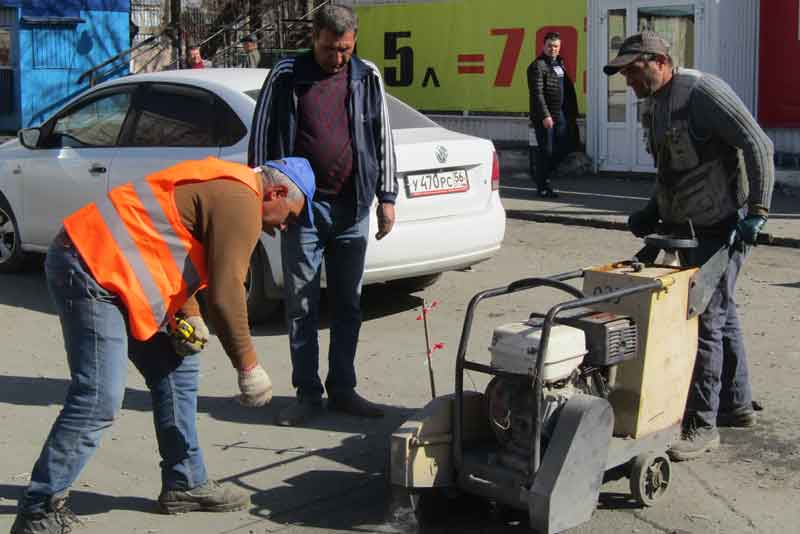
545	91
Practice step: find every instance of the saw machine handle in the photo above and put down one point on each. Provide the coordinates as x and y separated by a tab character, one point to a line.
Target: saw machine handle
530	283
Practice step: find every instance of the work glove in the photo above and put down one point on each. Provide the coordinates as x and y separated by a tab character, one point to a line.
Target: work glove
255	386
749	227
191	342
645	221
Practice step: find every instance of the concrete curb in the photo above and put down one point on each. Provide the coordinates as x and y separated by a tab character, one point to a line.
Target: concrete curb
788	178
525	215
515	159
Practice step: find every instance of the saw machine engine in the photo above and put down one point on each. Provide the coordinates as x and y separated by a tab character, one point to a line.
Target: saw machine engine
582	355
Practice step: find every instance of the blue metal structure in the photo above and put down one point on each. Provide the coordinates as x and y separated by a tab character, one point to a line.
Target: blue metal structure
52	42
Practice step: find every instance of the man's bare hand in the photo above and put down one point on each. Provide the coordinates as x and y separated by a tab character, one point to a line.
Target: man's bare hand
385	219
548	122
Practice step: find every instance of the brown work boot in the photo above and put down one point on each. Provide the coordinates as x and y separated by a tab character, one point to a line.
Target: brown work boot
695	440
208	497
58	519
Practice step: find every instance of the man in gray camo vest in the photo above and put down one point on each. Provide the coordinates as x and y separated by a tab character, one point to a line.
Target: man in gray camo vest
715	174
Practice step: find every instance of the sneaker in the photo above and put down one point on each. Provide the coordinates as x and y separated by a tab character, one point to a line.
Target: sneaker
739	418
208	497
58	519
695	440
352	403
300	412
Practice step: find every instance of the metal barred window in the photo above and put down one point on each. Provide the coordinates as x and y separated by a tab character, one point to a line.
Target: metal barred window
53	48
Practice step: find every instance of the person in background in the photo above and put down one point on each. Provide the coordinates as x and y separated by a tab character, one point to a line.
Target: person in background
553	112
122	273
194	60
715	172
328	106
253	55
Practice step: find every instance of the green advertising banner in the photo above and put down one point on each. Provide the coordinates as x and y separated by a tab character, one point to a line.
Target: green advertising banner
469	55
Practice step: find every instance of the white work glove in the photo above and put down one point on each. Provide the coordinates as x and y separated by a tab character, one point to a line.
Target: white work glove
256	387
186	347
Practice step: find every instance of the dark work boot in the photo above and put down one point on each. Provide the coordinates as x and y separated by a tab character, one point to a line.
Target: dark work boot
547	192
300	412
696	439
352	403
208	497
739	418
58	519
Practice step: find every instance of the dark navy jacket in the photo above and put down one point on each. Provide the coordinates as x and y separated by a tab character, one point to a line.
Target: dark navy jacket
274	128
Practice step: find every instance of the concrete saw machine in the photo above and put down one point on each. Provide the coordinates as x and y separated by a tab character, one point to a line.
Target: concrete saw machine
597	382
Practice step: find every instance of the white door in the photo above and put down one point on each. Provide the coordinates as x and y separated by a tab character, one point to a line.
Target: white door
71	167
621	141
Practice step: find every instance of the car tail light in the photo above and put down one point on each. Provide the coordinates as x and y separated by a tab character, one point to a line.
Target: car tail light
495	171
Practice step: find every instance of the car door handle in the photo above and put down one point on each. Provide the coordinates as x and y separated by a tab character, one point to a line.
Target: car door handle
17	170
96	168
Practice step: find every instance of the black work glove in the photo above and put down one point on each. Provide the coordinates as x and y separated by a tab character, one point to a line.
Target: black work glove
749	227
644	221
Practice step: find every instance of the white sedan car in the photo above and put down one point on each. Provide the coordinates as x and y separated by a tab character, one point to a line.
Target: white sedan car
449	214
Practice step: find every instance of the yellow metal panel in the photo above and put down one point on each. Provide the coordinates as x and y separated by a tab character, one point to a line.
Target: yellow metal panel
650	392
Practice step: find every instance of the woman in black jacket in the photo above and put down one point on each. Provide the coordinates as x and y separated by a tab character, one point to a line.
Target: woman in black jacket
553	110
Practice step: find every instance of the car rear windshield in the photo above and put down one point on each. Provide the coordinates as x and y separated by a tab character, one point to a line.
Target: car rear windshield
401	115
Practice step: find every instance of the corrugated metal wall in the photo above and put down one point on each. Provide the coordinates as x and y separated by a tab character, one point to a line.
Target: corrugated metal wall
734	24
8	16
53	48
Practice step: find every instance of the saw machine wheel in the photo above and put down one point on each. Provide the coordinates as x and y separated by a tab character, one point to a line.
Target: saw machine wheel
650	477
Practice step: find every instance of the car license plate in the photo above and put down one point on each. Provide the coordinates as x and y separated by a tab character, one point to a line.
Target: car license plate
437	183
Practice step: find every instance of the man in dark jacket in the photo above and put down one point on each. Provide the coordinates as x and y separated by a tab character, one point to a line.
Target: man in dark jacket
329	107
553	110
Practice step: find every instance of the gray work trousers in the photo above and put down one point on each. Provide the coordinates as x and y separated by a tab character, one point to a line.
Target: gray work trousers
721	380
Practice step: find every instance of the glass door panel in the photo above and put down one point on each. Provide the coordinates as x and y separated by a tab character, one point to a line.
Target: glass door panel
676	24
617	89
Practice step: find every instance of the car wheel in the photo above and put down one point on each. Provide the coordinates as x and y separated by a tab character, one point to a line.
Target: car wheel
260	308
415	283
11	256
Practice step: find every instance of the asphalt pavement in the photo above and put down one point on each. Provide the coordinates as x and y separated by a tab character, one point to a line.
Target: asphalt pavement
329	477
605	200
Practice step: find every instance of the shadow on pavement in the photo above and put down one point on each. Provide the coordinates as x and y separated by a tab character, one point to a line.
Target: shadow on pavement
28	290
377	301
87	502
355	498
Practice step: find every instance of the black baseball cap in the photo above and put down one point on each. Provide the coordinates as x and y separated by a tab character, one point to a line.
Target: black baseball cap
634	46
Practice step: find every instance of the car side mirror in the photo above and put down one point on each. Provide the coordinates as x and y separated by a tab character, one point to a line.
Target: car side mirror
29	137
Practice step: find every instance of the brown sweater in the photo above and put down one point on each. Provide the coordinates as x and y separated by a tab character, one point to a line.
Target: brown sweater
225	216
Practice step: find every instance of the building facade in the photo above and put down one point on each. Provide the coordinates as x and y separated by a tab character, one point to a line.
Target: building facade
463	62
45	46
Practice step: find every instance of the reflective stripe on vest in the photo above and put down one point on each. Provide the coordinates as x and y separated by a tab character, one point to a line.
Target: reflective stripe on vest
136	246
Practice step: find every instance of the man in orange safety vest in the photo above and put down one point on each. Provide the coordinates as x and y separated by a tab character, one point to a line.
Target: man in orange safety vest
122	274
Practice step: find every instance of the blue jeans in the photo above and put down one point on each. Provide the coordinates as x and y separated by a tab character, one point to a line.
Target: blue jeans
554	145
721	381
96	340
341	239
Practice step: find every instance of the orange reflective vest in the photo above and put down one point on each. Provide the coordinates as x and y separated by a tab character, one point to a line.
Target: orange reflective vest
136	246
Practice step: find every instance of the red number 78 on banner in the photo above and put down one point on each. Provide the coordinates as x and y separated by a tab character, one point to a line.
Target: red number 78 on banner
515	37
